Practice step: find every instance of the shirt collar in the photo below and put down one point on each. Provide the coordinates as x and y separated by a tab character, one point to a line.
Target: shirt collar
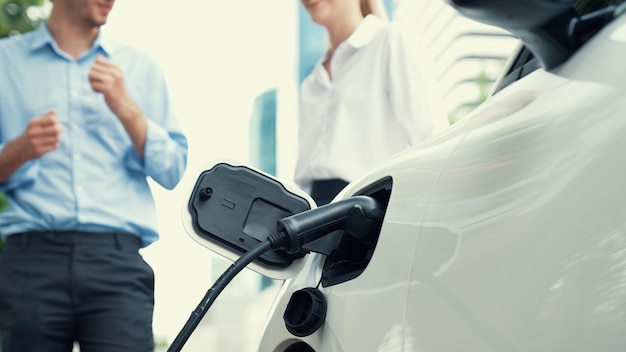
42	37
365	31
362	35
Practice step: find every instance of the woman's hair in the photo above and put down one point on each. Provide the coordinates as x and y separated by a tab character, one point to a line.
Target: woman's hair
374	7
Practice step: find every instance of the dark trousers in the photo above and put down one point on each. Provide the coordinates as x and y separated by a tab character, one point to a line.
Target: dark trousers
324	191
57	288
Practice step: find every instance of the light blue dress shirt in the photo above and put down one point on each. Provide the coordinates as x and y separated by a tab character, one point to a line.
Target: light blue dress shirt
95	181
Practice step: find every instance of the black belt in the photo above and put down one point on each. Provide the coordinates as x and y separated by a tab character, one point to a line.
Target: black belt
323	191
117	239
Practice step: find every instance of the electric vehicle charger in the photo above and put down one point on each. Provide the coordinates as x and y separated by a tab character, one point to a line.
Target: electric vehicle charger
359	216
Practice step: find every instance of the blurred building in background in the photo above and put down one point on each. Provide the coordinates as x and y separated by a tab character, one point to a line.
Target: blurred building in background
467	55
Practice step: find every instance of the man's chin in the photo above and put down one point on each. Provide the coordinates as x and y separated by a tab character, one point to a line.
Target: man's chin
97	23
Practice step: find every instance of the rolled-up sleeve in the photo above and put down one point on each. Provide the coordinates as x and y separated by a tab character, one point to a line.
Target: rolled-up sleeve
165	156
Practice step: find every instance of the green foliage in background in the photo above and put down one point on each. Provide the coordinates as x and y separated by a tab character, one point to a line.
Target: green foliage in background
3	202
587	6
19	16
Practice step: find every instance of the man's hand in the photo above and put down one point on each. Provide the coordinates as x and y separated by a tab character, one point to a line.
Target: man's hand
107	78
42	135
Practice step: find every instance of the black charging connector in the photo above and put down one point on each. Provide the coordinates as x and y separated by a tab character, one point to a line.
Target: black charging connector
357	216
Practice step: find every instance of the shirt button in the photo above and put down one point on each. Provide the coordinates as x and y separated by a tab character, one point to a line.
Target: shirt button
73	94
76	156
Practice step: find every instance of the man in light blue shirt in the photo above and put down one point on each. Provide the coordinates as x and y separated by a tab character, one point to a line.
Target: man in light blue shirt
83	124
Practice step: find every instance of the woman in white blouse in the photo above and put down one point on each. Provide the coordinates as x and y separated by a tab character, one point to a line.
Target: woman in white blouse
367	99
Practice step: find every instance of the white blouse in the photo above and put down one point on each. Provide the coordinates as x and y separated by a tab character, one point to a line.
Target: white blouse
380	101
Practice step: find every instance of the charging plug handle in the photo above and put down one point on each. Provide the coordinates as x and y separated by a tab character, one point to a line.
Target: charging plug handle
359	216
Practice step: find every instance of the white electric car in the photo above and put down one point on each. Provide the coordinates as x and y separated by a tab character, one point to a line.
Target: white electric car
507	232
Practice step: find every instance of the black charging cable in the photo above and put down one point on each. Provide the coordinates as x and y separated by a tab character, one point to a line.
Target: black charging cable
356	215
213	292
